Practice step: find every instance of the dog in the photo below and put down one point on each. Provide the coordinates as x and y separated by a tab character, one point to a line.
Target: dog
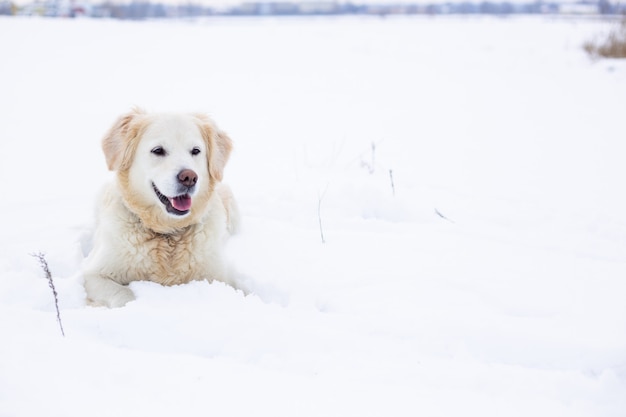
166	216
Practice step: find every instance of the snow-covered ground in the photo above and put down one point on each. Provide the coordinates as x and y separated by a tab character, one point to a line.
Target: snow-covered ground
509	302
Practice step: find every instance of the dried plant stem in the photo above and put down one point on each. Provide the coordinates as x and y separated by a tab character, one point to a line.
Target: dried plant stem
44	265
613	45
320	197
438	213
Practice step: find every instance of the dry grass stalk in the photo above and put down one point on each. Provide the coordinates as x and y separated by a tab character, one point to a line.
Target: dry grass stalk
614	46
44	265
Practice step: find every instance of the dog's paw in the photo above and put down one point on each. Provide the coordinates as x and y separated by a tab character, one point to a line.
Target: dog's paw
120	298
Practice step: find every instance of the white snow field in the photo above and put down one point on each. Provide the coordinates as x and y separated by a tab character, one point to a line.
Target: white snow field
509	302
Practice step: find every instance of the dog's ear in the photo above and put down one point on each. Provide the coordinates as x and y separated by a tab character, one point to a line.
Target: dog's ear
116	144
220	154
219	146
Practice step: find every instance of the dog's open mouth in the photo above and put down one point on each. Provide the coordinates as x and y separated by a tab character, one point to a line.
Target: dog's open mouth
179	205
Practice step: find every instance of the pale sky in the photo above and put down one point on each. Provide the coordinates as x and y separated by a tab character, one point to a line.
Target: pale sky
226	3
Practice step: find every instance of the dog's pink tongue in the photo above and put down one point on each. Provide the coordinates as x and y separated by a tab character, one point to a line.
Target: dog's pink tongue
181	203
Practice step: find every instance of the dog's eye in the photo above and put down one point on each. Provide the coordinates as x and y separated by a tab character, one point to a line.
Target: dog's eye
158	151
195	151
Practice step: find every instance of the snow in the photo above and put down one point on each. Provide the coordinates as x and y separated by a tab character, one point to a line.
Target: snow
512	303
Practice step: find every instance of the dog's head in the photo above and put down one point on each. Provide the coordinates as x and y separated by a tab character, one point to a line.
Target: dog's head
167	165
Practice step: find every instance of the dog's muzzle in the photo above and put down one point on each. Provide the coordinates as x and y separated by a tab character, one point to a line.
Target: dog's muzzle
179	205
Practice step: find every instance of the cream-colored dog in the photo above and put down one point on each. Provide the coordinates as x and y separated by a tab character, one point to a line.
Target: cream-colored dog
166	216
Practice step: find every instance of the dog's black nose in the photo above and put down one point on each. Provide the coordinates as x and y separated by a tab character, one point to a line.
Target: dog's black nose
187	177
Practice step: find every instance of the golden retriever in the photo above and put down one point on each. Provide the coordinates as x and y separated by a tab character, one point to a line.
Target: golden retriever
166	216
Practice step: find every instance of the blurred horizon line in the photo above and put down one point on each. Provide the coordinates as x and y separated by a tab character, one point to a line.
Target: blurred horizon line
146	9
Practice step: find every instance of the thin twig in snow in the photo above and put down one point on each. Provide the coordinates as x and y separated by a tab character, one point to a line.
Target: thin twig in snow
442	216
44	265
320	197
393	187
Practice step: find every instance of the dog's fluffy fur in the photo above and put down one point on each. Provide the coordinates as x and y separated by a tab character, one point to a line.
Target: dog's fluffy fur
158	221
